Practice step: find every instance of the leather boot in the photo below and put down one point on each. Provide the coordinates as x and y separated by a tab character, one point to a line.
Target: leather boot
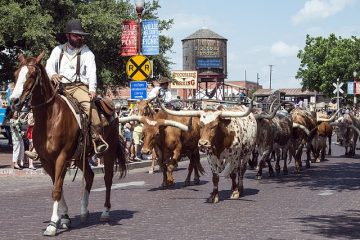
100	146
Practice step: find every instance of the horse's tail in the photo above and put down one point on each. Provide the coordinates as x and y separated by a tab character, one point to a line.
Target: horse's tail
120	156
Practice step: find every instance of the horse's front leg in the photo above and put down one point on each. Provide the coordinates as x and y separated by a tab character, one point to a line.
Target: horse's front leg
58	180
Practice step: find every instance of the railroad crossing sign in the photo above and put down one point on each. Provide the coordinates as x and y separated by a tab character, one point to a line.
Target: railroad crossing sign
338	87
138	68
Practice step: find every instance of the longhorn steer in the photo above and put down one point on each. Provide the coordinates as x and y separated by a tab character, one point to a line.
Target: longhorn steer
170	143
348	132
323	131
228	138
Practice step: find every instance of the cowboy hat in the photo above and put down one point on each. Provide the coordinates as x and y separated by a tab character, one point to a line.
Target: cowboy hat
164	80
74	26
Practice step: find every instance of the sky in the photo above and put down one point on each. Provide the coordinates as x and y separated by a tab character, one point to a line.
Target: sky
261	32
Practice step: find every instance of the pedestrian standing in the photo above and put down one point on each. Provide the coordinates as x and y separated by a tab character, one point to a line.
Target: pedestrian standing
18	143
32	155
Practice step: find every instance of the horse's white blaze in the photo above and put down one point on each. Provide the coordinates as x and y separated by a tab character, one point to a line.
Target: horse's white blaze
84	203
55	216
20	83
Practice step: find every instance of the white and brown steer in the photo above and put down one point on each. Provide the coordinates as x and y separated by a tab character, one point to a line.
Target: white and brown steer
228	138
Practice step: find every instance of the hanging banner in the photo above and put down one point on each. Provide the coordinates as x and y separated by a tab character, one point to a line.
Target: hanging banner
350	88
150	37
357	87
128	41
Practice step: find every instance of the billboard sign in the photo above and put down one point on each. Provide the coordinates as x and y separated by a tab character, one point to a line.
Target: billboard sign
128	42
150	37
184	79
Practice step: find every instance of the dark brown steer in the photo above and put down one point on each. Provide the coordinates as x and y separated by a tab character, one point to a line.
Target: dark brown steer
171	143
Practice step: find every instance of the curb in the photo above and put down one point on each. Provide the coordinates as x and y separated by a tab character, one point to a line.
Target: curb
71	172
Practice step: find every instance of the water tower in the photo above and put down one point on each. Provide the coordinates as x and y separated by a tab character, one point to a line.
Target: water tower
205	51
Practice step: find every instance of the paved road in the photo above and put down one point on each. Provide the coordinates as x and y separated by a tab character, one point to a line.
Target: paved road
320	203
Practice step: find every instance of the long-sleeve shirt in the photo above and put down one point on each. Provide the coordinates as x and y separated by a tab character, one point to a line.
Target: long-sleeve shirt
155	92
68	65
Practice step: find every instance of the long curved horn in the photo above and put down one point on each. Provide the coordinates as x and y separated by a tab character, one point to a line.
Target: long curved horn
173	124
192	113
355	128
328	119
272	105
225	114
131	118
268	116
296	125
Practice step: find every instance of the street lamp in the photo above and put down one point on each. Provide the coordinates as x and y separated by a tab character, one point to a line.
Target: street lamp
139	4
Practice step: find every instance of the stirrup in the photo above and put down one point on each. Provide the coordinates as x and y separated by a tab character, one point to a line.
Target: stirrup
101	148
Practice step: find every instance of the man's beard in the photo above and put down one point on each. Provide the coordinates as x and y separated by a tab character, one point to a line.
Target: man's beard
77	43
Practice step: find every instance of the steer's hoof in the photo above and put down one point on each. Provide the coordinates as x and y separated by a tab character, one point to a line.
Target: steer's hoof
65	222
214	198
84	217
235	194
197	181
258	177
50	230
187	183
105	216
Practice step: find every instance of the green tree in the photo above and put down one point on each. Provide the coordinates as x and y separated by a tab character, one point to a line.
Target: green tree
35	25
323	60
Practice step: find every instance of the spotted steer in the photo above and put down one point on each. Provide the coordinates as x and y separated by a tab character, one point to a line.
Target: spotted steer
228	138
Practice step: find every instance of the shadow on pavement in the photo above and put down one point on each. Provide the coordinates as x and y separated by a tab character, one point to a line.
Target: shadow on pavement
345	225
94	220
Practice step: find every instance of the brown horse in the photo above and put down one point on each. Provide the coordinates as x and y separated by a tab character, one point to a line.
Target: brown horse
55	136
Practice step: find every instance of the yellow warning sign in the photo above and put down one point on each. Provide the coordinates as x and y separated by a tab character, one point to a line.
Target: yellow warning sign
138	68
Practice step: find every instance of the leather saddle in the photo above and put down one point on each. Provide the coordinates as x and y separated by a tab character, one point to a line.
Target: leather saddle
105	106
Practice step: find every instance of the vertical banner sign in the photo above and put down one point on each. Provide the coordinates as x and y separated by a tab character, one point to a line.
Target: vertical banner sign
357	87
150	37
128	38
350	88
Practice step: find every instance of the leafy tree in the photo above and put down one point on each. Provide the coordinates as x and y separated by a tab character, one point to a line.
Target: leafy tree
323	60
31	26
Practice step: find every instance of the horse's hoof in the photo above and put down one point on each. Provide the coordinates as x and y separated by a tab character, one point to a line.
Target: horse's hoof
65	222
84	217
50	230
235	195
197	181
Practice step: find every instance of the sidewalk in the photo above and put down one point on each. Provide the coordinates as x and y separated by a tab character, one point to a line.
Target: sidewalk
6	165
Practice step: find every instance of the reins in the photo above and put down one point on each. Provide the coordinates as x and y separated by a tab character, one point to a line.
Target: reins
38	80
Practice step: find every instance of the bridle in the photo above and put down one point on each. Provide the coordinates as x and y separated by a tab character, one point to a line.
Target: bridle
38	80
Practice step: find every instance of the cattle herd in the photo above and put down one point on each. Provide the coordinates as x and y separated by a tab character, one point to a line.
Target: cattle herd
235	138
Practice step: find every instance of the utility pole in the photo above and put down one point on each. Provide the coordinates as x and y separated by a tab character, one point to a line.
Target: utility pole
270	73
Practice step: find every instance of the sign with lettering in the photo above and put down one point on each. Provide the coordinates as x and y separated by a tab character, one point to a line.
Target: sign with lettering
138	90
357	87
184	79
128	42
207	48
150	37
209	63
350	87
138	68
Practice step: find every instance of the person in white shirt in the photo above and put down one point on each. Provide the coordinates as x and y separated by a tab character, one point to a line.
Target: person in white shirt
73	64
162	91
